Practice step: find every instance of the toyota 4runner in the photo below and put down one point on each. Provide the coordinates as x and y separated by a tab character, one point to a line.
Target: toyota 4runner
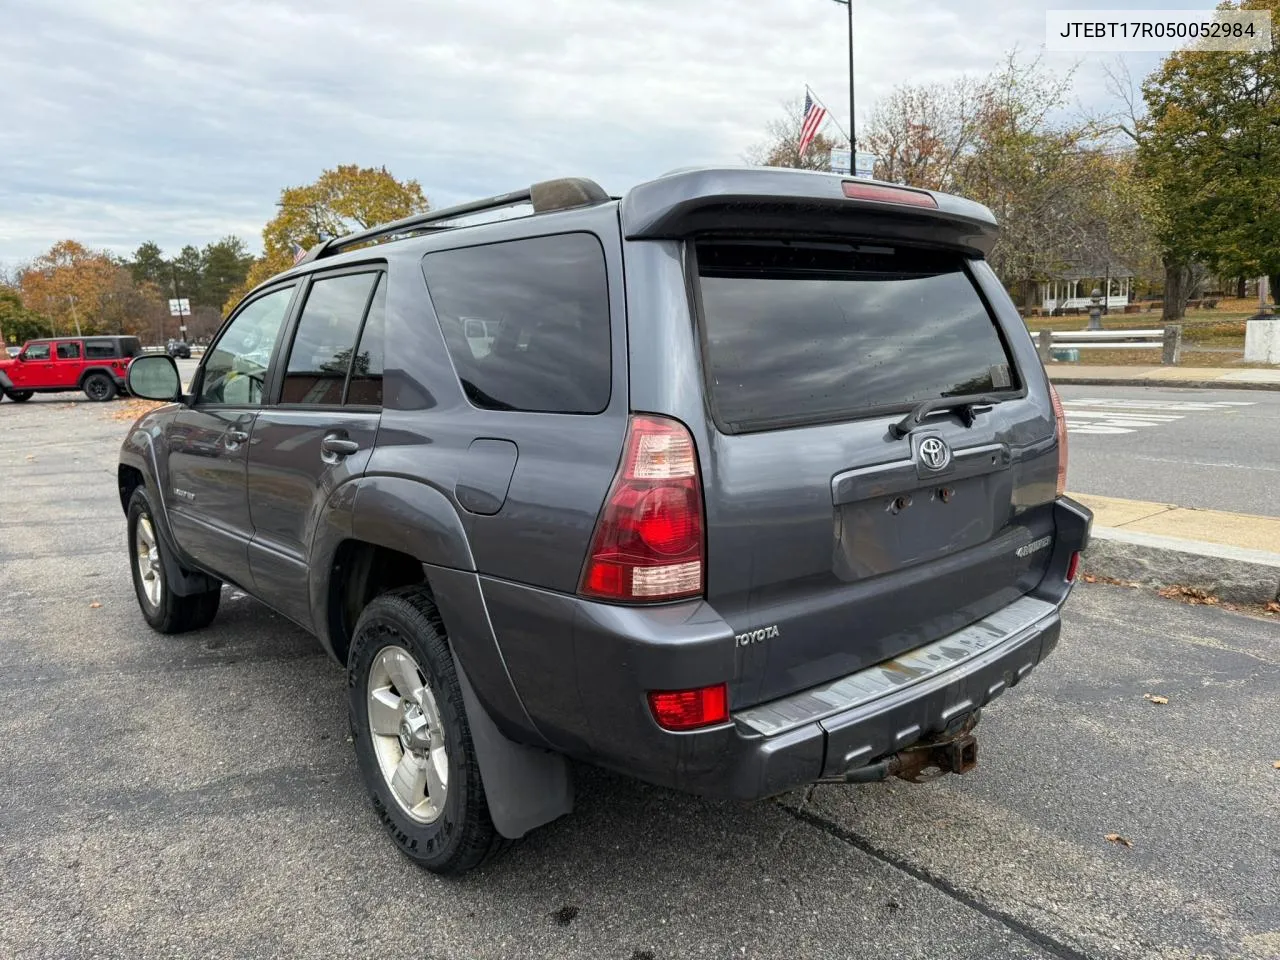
747	480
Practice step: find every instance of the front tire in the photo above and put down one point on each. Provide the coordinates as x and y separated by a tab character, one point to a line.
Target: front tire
20	396
164	610
413	744
98	387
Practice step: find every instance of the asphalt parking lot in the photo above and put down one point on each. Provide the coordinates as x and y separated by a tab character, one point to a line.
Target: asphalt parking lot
197	796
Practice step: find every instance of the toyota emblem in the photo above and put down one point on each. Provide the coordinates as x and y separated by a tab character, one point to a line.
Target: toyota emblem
934	453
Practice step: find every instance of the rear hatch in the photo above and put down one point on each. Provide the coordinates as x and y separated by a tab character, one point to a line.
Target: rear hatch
833	542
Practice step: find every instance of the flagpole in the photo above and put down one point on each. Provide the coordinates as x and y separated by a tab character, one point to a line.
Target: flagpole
831	116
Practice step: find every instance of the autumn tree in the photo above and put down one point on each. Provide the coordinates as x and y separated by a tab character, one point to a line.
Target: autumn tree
342	200
17	323
83	291
1209	147
920	133
782	148
1008	141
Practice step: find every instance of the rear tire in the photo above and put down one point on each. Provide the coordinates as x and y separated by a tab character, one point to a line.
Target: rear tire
413	744
98	387
20	396
164	610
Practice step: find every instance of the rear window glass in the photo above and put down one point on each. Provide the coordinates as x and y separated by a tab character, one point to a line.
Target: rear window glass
526	322
814	332
326	338
99	350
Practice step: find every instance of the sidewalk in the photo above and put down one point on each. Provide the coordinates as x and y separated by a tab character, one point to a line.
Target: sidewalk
1136	376
1234	556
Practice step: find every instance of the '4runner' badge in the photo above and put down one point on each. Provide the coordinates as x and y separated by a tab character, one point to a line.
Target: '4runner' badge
756	636
184	494
1027	549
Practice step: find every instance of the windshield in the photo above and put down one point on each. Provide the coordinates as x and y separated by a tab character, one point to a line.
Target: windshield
812	332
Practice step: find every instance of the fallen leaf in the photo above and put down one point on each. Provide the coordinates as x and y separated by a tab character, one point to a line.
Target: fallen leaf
1192	595
95	605
1276	764
1088	578
1155	698
1273	607
30	456
1117	839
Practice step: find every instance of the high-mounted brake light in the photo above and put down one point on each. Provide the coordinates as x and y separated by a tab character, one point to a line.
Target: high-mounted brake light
1060	426
876	191
648	541
690	709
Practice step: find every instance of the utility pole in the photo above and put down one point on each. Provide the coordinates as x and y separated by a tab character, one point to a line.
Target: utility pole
74	316
853	122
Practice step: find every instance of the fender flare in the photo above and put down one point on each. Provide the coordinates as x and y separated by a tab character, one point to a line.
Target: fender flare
183	581
87	372
525	786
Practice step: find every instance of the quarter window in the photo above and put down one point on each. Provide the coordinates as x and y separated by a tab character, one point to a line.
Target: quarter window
526	322
365	388
326	338
100	351
236	367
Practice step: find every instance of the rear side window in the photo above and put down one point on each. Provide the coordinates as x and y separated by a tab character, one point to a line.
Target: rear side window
527	322
100	351
68	351
326	338
799	332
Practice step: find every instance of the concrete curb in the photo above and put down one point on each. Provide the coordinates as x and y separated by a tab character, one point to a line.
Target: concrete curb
1235	574
1140	382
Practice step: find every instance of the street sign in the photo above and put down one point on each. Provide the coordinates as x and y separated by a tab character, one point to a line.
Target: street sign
180	308
838	162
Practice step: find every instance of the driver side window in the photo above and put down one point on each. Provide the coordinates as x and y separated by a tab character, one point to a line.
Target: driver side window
236	368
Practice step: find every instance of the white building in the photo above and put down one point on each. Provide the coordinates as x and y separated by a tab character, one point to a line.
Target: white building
1071	288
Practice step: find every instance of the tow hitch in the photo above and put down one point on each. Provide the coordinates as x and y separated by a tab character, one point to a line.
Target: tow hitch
927	760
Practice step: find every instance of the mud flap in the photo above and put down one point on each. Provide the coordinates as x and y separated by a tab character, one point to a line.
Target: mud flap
526	787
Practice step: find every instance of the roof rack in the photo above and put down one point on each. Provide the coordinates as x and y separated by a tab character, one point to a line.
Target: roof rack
547	196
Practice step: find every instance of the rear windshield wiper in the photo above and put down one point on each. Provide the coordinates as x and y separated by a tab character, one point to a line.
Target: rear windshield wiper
969	407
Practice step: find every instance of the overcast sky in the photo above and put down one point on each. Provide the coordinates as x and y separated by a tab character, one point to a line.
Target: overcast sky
130	120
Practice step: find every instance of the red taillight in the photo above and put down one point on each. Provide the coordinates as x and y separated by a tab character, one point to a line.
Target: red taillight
1073	567
688	709
878	191
1060	420
648	540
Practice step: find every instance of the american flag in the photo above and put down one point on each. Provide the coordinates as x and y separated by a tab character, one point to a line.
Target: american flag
298	252
814	115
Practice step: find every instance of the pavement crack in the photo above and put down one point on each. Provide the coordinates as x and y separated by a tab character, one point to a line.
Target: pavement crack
1046	942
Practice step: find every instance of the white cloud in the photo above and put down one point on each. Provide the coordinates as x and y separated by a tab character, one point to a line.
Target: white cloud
146	119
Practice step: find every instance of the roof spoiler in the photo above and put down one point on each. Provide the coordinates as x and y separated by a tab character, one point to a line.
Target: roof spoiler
778	200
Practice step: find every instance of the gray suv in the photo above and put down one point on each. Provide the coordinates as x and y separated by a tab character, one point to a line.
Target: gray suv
747	480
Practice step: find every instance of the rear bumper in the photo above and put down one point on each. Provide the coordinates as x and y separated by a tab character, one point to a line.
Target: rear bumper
582	670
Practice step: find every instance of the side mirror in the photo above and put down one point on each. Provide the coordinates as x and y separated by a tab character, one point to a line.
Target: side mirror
154	378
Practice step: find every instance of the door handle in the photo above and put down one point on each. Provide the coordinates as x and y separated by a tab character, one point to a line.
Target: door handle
235	437
335	446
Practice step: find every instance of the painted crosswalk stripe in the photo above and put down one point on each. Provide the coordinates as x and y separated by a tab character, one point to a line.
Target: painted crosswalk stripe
1103	416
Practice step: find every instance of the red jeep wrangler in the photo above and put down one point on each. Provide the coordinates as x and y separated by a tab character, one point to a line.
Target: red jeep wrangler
96	365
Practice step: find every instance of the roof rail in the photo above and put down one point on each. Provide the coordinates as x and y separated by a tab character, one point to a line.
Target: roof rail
549	195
